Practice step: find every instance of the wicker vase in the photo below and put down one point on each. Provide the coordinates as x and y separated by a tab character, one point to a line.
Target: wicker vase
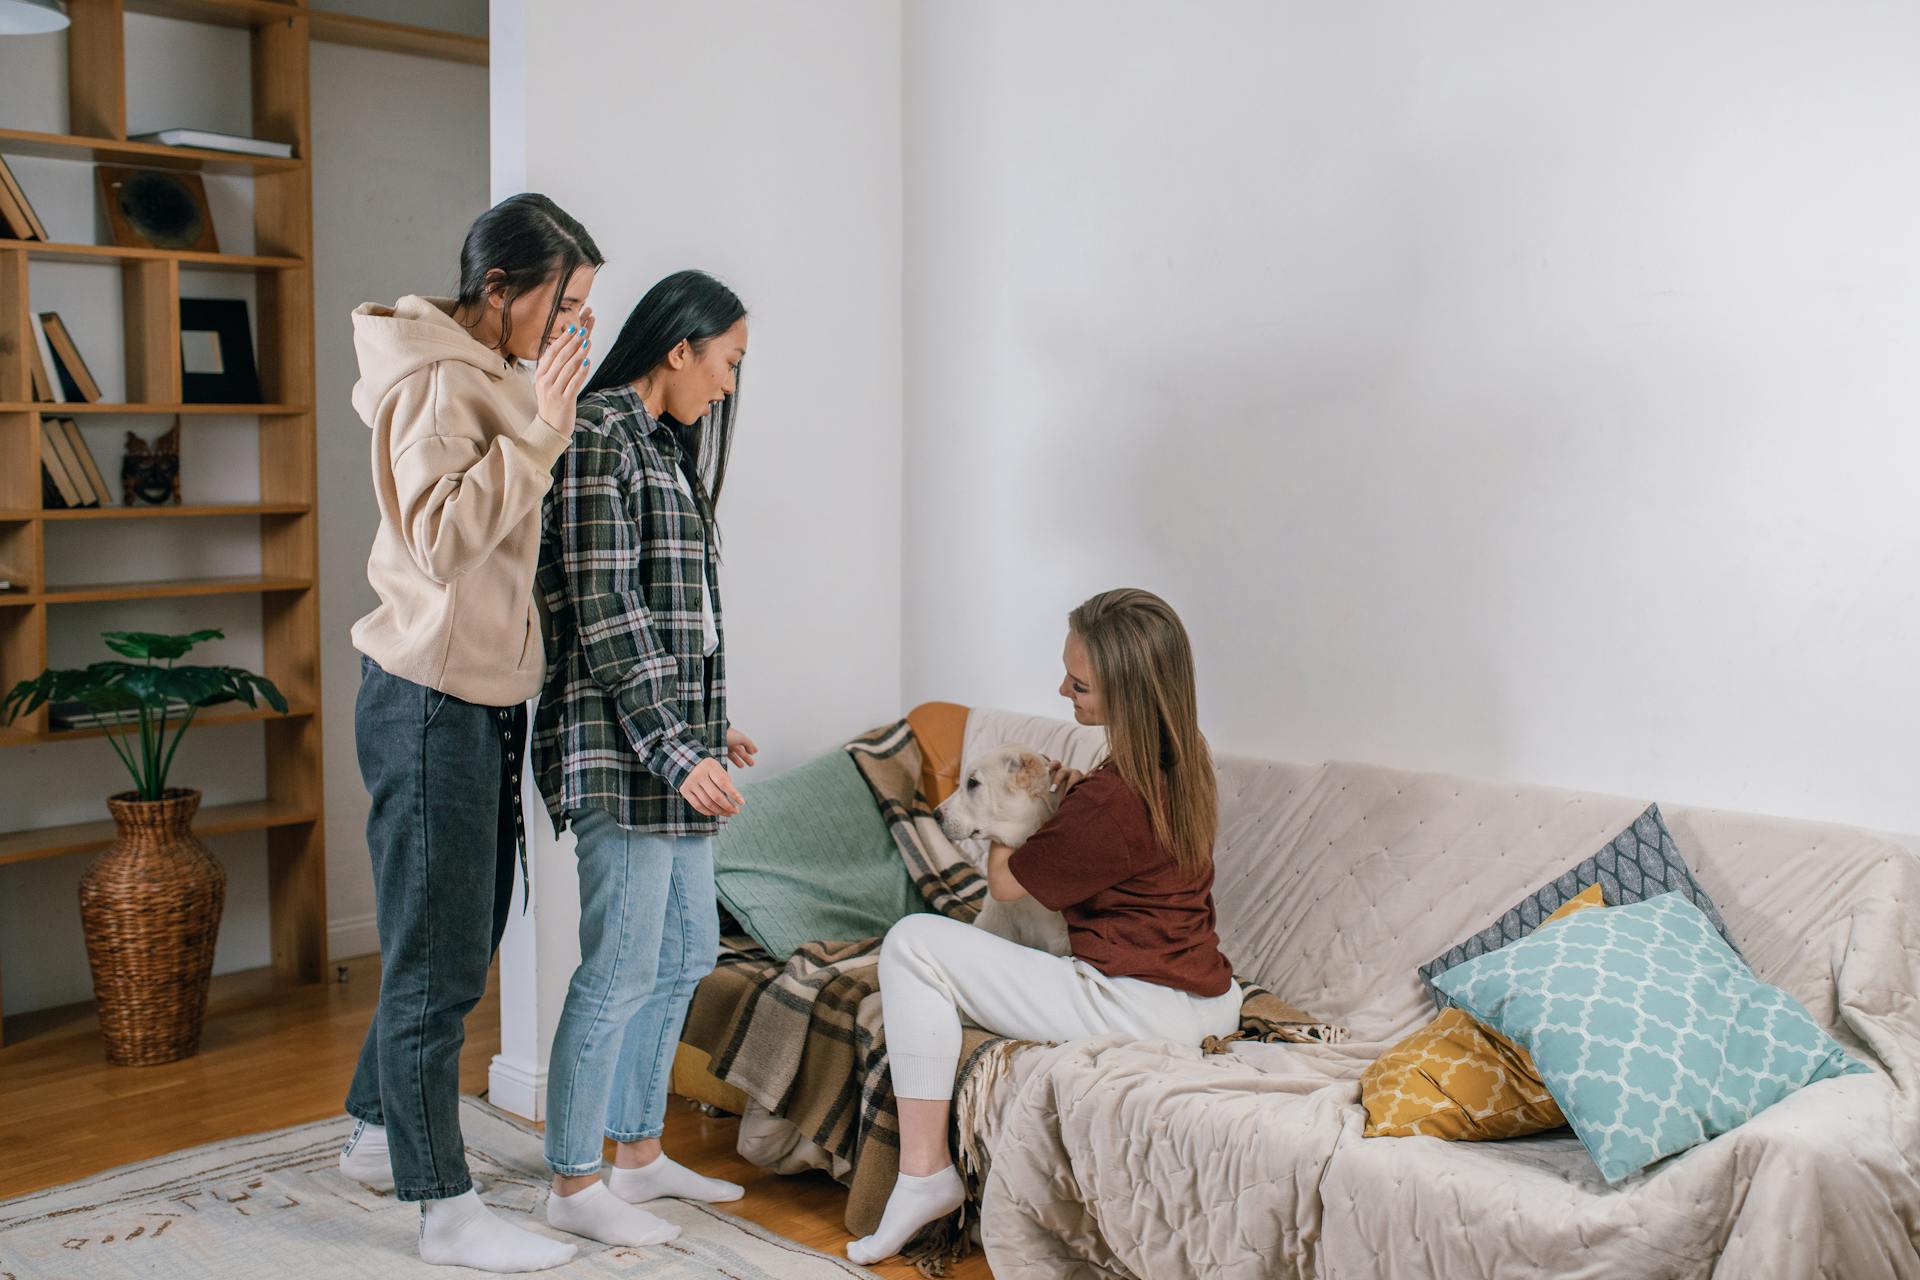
150	906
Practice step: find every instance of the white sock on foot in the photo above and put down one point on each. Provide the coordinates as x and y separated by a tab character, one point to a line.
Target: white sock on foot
598	1214
665	1178
914	1203
365	1159
460	1231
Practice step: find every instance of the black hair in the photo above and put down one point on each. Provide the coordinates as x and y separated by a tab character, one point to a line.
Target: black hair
529	240
695	308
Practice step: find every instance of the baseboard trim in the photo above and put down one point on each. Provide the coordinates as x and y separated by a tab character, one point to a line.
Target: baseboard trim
513	1088
350	936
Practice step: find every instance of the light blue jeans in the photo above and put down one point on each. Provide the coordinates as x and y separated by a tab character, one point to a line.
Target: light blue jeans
649	931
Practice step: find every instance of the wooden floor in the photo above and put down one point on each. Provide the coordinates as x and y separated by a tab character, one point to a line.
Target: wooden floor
271	1059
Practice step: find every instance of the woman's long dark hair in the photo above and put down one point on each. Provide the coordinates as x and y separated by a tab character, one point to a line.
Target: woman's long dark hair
529	240
690	307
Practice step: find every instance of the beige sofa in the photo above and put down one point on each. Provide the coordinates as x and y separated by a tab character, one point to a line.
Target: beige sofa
1334	883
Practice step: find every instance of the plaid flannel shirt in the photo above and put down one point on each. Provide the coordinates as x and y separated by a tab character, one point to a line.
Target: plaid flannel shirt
631	703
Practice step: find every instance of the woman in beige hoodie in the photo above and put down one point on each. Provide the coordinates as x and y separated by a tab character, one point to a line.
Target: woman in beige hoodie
464	442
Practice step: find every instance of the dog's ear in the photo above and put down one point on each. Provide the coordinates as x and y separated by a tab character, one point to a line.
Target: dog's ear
1029	771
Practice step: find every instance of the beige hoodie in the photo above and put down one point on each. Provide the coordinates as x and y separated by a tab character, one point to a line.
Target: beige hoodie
461	461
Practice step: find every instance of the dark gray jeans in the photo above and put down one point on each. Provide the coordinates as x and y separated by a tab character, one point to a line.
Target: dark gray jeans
443	775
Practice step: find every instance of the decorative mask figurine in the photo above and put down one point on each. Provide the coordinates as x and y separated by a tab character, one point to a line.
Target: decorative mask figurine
150	474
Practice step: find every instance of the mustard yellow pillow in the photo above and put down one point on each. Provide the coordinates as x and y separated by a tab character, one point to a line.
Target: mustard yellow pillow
1459	1079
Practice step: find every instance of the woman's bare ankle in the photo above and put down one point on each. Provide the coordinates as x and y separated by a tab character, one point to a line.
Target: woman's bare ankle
565	1184
636	1155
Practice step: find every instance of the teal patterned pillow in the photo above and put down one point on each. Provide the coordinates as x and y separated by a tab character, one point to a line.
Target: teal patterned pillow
1649	1031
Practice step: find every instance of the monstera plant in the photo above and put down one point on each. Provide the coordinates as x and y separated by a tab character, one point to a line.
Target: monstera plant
149	689
150	904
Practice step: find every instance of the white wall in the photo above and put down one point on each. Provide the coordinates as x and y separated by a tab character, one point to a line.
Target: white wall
761	142
400	168
399	172
1523	391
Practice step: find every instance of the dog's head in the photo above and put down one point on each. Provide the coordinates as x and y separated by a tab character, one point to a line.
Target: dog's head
1003	798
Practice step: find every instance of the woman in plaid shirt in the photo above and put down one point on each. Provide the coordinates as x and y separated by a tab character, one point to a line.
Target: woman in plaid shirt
632	740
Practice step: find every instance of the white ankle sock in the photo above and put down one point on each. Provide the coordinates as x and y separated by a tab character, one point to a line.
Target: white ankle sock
365	1159
598	1214
666	1177
460	1231
914	1203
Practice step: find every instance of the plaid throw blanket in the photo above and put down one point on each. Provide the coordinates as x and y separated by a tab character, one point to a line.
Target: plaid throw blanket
805	1039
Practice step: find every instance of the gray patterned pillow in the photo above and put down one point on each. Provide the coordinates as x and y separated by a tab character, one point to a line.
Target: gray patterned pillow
1639	863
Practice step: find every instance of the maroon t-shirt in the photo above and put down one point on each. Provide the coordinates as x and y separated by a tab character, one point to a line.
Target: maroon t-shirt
1130	911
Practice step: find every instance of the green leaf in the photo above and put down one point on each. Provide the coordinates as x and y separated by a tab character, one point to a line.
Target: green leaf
154	646
126	686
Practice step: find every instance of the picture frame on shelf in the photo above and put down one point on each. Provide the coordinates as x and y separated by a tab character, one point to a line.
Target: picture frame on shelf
157	209
216	353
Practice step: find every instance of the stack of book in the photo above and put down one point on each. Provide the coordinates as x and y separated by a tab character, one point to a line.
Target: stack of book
69	476
78	715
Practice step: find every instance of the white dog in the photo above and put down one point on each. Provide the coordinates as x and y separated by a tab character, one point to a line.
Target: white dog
1003	799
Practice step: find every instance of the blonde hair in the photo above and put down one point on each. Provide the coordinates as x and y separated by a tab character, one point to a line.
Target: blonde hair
1143	663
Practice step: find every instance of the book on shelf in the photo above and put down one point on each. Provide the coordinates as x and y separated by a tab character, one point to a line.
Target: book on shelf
78	715
58	491
56	439
71	429
40	365
37	373
207	140
16	210
13	222
70	368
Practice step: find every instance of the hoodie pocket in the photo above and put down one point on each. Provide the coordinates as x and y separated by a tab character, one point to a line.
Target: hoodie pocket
531	647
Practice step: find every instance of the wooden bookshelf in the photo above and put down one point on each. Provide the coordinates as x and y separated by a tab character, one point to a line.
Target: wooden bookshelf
325	26
395	37
149	155
281	34
109	253
238	714
204	511
130	410
214	820
96	593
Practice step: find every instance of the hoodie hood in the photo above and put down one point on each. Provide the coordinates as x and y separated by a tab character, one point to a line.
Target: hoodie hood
393	343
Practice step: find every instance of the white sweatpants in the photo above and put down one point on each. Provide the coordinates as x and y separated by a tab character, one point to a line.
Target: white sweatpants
935	971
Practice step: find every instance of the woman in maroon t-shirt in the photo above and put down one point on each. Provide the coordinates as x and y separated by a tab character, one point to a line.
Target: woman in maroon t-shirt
1127	860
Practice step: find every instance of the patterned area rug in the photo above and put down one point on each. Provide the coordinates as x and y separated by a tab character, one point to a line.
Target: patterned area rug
275	1204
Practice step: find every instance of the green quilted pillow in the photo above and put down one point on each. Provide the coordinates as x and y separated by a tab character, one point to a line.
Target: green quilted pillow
1651	1034
809	859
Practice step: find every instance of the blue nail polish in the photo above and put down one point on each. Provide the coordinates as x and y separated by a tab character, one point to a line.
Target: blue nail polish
583	363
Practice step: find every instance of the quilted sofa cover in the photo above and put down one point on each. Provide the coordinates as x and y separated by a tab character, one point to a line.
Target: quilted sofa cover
1334	883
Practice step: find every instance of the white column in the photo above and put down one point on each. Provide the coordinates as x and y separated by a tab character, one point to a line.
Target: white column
537	958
